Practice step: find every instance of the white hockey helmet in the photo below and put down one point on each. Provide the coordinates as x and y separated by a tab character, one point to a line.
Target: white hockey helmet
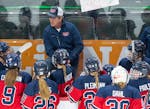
119	74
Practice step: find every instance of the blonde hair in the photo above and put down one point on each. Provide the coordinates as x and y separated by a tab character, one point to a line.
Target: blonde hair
148	76
95	74
64	71
11	76
121	85
44	89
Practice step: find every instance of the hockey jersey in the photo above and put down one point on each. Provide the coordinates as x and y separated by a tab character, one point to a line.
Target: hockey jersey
32	100
63	83
10	97
143	85
84	89
112	97
2	67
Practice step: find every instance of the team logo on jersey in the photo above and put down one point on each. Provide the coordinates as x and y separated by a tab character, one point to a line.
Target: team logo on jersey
65	34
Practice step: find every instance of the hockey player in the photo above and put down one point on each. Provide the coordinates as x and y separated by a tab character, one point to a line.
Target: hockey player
63	75
41	93
12	83
136	53
140	80
85	87
119	95
108	68
4	50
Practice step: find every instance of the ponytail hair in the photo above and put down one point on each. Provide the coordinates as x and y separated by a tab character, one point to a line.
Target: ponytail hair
95	74
11	76
43	88
64	71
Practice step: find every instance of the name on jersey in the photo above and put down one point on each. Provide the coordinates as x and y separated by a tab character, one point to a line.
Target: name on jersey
92	85
144	87
18	79
116	93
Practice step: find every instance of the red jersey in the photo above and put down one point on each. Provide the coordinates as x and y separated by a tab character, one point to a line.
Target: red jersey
112	97
63	83
10	97
84	89
142	84
32	100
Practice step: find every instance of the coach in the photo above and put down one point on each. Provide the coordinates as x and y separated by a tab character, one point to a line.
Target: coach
62	34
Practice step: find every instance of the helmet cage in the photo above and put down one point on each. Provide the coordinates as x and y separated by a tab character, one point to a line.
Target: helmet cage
40	67
139	69
92	65
60	56
12	61
139	48
108	68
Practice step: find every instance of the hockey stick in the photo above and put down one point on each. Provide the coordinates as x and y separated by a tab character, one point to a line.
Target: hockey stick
24	48
133	46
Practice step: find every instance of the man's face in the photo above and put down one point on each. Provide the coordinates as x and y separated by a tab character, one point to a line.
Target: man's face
55	22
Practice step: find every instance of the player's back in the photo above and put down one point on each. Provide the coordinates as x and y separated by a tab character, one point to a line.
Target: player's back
142	84
11	96
32	99
84	89
62	81
113	96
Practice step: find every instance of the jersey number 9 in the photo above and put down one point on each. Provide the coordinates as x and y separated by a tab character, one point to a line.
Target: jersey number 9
8	95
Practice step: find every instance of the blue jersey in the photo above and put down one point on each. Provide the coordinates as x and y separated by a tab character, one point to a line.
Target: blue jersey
10	97
127	64
31	98
143	85
2	67
84	89
113	97
63	83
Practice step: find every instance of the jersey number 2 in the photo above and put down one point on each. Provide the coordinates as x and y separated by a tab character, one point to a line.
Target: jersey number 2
88	96
40	104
